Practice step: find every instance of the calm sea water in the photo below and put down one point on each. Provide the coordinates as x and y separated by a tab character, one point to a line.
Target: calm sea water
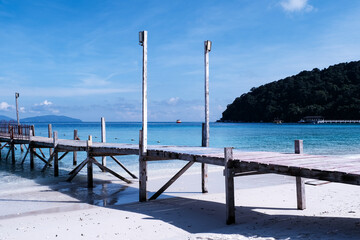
318	139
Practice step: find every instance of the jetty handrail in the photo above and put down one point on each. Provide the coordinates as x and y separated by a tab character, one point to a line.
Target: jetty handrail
13	130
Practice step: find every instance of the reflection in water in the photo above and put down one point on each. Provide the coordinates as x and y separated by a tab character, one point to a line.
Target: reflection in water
104	193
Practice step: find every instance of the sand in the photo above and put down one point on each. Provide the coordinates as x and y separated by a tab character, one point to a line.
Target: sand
265	209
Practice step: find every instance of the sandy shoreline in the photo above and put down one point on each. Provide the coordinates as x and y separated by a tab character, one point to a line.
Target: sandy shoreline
266	209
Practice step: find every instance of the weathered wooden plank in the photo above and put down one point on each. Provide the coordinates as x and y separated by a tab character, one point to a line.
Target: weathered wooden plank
105	169
77	170
171	181
63	155
90	177
40	157
123	167
27	152
229	186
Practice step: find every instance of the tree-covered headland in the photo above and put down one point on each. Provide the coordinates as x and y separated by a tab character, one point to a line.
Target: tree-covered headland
333	93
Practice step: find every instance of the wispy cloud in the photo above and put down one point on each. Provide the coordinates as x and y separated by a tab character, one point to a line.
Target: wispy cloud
44	107
296	5
4	106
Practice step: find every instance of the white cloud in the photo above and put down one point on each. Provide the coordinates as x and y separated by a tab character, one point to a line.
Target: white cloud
4	106
46	103
22	109
173	100
296	5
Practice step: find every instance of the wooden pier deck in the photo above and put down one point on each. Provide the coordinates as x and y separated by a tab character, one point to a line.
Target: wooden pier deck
235	163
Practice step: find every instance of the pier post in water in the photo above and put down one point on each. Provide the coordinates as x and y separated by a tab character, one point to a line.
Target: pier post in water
90	176
300	183
103	139
142	171
75	153
31	150
56	155
204	167
50	136
229	186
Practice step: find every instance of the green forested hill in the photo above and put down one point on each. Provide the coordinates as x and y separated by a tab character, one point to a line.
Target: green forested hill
333	93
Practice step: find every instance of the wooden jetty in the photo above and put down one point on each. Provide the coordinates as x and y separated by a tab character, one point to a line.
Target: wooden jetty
236	163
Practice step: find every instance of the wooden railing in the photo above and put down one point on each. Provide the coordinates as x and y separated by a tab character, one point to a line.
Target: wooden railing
13	130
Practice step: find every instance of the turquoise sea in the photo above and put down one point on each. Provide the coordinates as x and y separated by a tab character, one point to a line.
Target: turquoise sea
322	139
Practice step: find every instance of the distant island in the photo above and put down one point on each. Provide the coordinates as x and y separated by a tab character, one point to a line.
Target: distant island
5	118
333	93
50	119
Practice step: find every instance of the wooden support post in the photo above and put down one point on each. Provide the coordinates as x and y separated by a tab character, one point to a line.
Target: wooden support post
32	163
0	151
31	150
206	125
143	133
300	183
103	139
90	176
142	171
12	152
50	136
75	153
229	186
56	155
204	166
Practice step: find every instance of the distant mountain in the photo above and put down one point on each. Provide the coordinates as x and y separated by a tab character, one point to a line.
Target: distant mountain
2	117
50	119
333	93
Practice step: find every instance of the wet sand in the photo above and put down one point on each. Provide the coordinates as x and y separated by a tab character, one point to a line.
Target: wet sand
266	209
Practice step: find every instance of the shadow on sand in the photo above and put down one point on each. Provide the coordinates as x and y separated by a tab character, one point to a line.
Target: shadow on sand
191	215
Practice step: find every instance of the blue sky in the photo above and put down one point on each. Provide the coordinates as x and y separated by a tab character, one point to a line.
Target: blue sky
82	58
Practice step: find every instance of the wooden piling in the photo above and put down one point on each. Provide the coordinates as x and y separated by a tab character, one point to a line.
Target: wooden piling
206	126
32	164
90	173
12	146
300	183
229	186
75	153
56	155
142	171
143	132
144	92
103	139
204	166
50	136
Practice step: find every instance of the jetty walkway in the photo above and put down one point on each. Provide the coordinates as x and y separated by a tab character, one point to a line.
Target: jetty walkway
235	162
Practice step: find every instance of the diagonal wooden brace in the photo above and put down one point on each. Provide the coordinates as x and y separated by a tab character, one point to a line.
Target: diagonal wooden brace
172	180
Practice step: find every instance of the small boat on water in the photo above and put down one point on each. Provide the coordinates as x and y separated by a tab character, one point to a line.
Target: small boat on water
178	121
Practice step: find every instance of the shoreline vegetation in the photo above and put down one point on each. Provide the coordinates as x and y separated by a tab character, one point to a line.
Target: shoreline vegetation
333	93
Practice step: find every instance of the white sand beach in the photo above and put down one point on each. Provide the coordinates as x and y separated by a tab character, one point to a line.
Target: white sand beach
265	209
